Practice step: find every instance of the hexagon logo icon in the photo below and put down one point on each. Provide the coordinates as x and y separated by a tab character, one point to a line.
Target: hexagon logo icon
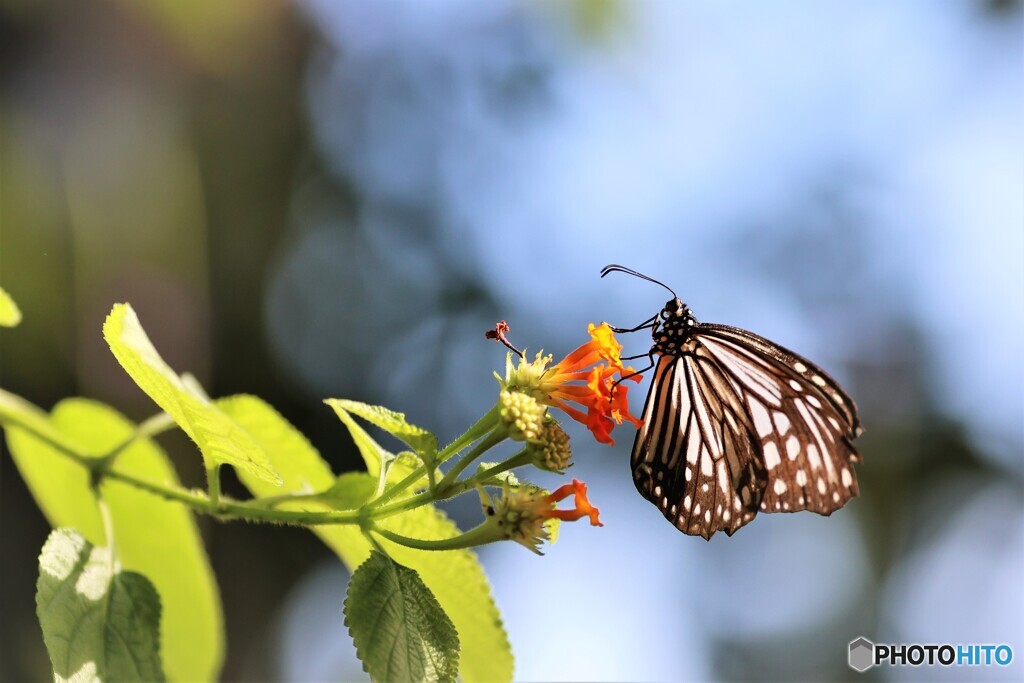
862	654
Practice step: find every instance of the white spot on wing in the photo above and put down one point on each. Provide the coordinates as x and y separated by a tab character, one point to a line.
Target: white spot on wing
821	485
771	455
799	367
723	477
812	456
801	478
792	447
847	478
761	420
781	422
693	444
780	486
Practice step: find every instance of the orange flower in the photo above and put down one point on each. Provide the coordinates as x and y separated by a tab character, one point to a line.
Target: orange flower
523	513
583	507
574	380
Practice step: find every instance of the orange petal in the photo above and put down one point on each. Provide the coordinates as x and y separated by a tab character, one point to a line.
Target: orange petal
583	507
608	347
580	357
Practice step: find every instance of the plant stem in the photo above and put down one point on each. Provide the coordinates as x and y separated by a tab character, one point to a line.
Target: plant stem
485	533
108	527
232	510
402	485
213	485
452	489
495	437
150	427
481	427
518	460
273	501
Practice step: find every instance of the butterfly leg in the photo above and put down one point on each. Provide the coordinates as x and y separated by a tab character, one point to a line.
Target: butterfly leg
619	381
650	322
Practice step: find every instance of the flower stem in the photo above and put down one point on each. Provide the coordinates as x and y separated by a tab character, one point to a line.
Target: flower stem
518	460
481	427
481	535
451	489
495	437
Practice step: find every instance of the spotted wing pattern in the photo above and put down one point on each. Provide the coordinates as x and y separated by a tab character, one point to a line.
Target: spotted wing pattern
803	422
693	457
733	425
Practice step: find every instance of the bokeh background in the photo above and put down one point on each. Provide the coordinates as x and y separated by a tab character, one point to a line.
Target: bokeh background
324	198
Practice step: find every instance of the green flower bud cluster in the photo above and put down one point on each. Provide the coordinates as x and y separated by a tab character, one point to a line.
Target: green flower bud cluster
519	514
551	450
522	415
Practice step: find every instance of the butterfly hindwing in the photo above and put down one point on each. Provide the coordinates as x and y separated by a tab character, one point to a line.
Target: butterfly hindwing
802	423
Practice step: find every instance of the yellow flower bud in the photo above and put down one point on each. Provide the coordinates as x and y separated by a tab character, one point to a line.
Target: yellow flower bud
522	414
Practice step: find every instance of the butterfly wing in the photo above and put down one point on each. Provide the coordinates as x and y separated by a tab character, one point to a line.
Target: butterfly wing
801	422
693	457
737	424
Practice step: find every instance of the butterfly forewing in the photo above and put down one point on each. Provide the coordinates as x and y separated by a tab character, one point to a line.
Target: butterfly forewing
735	424
693	457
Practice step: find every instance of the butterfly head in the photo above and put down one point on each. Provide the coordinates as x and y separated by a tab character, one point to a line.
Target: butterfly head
675	309
671	334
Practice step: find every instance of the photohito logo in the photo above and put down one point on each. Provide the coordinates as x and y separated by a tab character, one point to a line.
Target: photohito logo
863	654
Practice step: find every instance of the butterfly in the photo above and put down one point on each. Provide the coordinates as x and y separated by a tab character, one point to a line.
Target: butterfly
735	424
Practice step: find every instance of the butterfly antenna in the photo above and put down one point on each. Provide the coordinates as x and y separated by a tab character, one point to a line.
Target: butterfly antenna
614	267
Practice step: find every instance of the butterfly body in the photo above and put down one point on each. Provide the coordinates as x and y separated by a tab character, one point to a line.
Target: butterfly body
735	424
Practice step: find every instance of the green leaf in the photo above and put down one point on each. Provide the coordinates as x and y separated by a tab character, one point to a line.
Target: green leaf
400	631
99	623
155	537
458	582
10	315
218	437
420	440
388	468
455	577
349	491
17	412
301	467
